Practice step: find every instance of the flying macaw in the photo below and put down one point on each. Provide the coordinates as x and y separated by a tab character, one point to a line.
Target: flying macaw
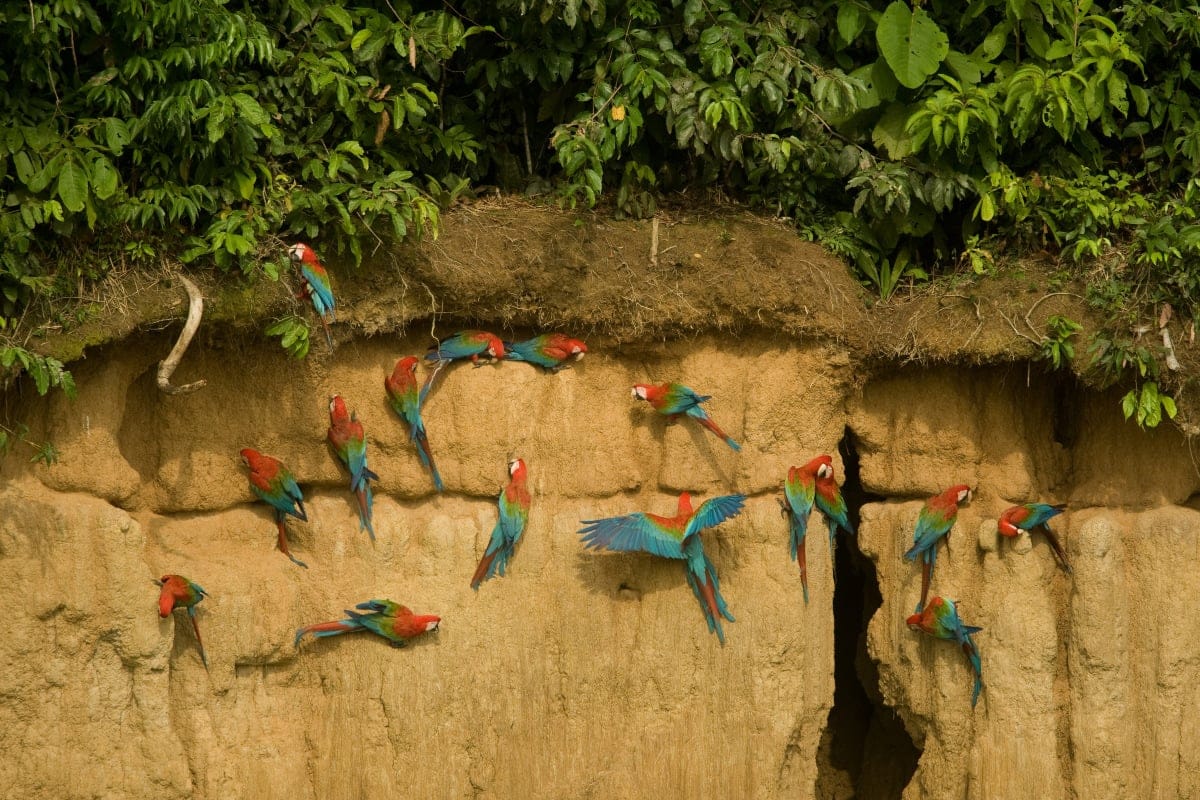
514	512
392	621
1026	518
350	443
674	537
316	285
674	399
551	351
799	490
830	501
406	398
274	483
179	592
935	521
940	619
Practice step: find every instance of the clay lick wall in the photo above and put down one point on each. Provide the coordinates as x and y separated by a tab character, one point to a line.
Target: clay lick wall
583	674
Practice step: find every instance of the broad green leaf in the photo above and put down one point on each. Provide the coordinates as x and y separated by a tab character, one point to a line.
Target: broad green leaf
911	42
850	21
338	16
890	134
250	110
104	178
72	185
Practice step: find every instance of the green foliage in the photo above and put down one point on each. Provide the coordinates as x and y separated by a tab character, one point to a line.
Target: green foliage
1058	347
1115	357
47	373
901	131
44	452
293	333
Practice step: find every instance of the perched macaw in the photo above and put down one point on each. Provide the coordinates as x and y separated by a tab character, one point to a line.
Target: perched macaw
1026	518
675	399
551	351
316	285
830	501
514	512
940	619
406	398
274	483
179	592
392	621
935	521
350	443
674	537
799	490
468	344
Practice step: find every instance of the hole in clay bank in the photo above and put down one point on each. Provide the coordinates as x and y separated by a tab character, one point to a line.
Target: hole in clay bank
865	752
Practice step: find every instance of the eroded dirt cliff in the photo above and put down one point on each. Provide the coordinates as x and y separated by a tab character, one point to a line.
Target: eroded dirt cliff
583	674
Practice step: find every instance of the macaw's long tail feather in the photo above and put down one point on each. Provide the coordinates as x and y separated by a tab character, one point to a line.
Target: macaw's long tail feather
926	574
199	641
494	562
283	543
299	513
328	333
706	596
977	665
707	422
323	629
364	510
802	560
833	526
1059	552
422	442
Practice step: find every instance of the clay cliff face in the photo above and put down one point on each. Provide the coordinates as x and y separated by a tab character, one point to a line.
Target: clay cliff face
584	674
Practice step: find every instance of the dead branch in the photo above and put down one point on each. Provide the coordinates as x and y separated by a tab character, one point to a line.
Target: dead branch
654	242
167	366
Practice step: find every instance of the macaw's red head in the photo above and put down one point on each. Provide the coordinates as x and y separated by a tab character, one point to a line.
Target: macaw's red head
495	347
337	409
302	253
914	622
575	347
645	391
166	598
821	466
250	456
1007	525
407	364
516	468
428	622
960	493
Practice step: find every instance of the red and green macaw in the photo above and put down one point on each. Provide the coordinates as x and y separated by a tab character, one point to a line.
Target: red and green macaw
674	399
179	592
830	501
514	512
935	521
350	443
317	287
468	344
940	619
405	397
799	490
274	483
674	537
388	619
551	351
1029	517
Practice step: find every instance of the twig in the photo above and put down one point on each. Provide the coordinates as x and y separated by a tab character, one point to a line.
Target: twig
528	153
654	242
1012	325
1039	302
1172	361
167	366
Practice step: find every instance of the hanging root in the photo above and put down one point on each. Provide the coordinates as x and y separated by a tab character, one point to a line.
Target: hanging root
167	366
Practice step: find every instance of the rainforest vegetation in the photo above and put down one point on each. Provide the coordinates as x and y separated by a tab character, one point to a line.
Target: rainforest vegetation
915	139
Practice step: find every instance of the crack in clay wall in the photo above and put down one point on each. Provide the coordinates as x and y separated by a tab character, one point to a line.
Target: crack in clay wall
580	674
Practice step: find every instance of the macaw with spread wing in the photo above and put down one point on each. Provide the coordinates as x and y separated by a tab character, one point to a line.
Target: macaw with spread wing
386	618
675	537
673	400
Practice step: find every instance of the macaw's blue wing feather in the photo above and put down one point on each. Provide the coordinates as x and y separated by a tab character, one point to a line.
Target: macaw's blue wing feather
714	511
632	532
321	290
681	399
460	345
1040	514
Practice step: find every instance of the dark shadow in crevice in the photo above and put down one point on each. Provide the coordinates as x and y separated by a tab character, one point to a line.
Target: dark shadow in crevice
865	751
